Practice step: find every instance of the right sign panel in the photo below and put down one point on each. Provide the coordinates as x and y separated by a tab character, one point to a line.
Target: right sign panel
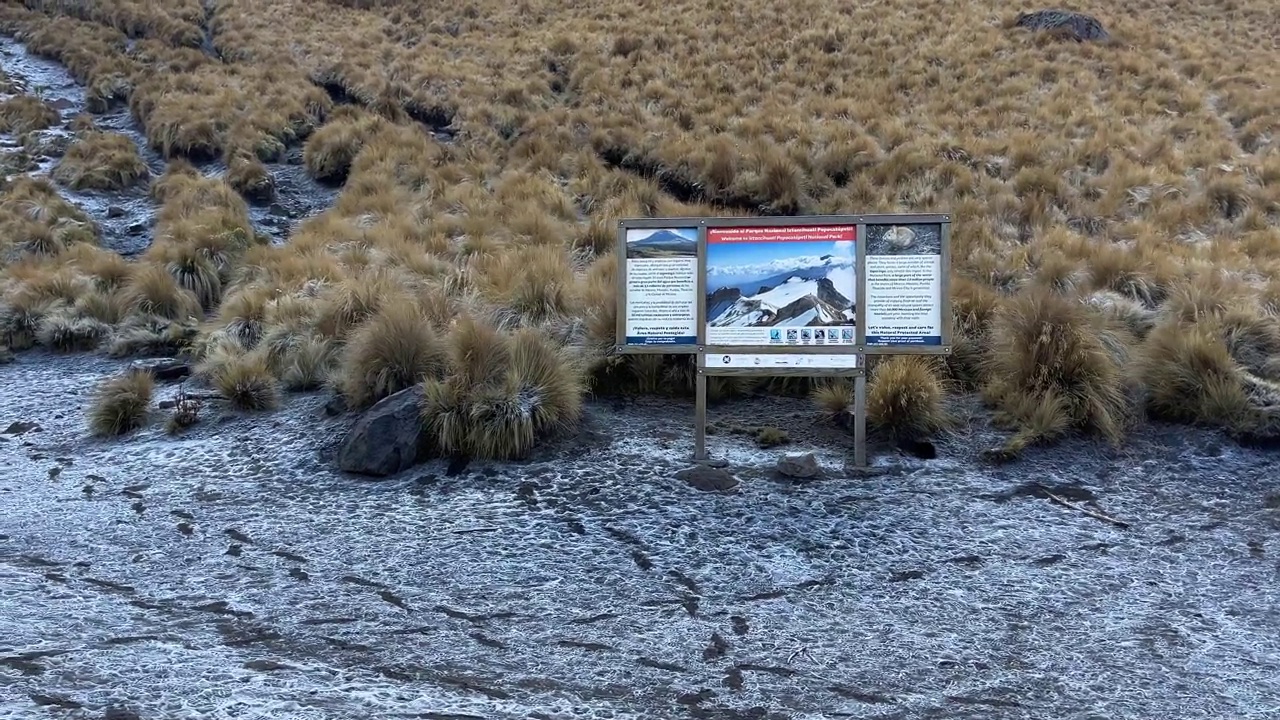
903	285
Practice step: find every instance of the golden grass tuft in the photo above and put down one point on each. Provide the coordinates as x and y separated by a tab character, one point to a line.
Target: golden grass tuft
330	150
1055	366
154	290
1190	376
101	161
108	270
534	284
150	335
973	305
249	177
243	314
36	221
395	349
905	398
834	399
192	270
308	363
347	303
23	114
66	332
121	403
502	393
245	381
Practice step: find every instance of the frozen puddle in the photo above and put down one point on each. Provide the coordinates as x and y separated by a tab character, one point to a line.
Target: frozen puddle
232	573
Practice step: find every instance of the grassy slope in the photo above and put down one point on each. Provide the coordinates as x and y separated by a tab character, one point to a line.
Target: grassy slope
1117	206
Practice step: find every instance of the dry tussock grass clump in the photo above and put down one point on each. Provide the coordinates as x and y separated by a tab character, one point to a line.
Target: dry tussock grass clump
502	392
121	403
202	232
101	161
154	291
244	379
69	332
175	22
1056	367
394	349
23	114
907	399
329	151
36	222
1190	376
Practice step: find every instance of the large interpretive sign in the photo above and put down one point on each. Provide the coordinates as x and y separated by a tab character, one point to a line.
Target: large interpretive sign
809	296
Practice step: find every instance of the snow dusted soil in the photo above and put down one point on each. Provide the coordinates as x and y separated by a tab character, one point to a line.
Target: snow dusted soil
233	573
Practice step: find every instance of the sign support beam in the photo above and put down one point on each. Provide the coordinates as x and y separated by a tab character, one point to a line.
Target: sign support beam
700	418
860	421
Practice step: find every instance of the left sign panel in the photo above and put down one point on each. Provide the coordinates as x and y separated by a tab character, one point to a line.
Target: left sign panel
662	286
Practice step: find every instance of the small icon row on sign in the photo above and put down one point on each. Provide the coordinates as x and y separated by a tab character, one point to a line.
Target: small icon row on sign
811	335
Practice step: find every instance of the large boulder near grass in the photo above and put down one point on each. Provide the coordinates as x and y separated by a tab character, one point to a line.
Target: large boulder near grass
1064	24
387	438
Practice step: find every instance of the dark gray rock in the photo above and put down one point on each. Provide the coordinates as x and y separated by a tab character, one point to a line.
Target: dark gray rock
799	466
22	427
1064	23
114	712
709	479
163	369
387	438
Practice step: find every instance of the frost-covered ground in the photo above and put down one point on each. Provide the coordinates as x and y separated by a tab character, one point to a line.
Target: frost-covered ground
232	573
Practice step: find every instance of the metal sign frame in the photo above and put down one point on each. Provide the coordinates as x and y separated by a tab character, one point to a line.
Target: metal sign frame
859	350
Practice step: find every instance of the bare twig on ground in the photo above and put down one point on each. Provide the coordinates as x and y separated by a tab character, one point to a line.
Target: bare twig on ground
1080	508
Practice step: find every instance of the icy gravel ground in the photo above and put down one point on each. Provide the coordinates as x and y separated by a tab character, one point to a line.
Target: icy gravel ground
232	573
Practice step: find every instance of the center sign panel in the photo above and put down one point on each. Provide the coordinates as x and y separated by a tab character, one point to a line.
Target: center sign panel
780	286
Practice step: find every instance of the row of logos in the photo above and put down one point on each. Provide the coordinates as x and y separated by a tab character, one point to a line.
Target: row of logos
792	360
812	335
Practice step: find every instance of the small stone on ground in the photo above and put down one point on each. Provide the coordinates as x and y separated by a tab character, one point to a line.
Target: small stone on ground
709	479
799	466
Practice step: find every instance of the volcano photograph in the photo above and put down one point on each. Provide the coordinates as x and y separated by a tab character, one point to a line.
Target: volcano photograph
662	243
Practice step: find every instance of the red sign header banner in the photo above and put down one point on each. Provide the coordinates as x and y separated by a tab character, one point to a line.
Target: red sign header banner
798	233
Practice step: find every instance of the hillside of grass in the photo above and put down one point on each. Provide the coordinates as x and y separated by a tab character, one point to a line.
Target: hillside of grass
1116	205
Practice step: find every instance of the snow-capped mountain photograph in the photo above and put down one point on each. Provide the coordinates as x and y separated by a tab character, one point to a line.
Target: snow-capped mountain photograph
753	284
662	243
